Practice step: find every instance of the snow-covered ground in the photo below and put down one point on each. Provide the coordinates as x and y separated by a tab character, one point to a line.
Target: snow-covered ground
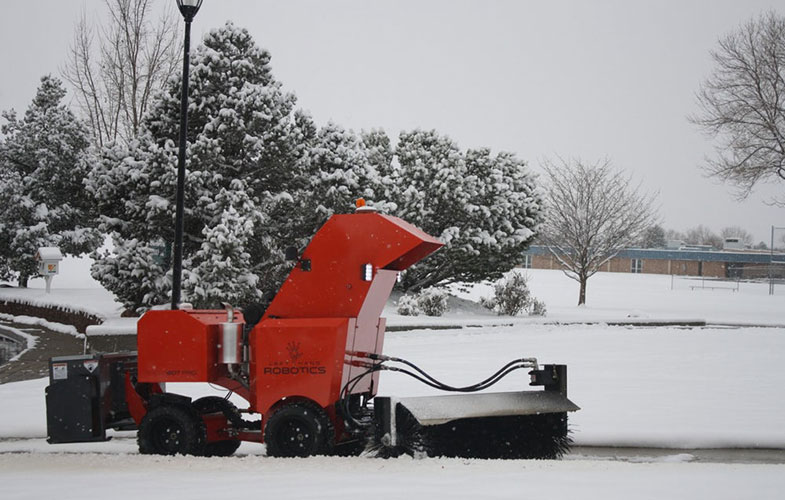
126	476
611	297
661	387
718	386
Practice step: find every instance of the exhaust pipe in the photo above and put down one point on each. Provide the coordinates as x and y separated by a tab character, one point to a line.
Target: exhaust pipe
230	350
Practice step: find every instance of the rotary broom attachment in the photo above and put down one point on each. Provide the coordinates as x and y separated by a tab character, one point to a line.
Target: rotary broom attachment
474	424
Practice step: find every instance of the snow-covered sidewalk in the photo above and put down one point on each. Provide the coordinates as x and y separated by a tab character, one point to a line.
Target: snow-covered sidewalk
121	476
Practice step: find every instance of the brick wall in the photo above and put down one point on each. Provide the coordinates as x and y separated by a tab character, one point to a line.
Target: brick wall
710	269
656	266
714	269
544	262
650	266
618	265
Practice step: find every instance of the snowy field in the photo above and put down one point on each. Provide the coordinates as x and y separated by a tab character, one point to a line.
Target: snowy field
715	386
610	297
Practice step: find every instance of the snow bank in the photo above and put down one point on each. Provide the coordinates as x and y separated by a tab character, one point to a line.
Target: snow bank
93	301
114	326
32	321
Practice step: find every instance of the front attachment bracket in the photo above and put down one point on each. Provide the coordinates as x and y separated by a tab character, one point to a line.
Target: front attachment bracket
551	377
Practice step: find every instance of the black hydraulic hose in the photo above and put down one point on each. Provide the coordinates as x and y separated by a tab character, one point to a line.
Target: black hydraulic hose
420	375
347	390
495	376
444	387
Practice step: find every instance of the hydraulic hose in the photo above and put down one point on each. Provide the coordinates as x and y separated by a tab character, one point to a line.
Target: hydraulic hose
378	364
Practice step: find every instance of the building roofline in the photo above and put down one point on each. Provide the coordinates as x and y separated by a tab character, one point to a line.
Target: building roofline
689	255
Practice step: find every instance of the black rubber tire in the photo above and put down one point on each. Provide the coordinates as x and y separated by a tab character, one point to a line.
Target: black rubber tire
299	429
216	404
171	430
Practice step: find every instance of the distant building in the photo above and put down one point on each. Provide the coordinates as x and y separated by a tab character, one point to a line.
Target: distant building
684	261
732	244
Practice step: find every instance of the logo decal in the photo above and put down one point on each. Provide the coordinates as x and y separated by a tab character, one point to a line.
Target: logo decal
294	351
295	364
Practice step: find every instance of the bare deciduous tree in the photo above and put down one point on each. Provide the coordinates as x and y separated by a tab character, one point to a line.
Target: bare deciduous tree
745	237
703	235
115	68
743	104
593	212
653	237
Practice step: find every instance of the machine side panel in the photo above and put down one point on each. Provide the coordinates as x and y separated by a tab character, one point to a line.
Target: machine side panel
297	357
179	346
376	298
379	346
364	338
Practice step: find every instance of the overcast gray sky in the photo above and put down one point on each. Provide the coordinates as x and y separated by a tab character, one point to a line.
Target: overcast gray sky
584	79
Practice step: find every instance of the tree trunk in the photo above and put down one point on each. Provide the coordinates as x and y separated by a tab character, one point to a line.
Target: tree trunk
23	280
582	294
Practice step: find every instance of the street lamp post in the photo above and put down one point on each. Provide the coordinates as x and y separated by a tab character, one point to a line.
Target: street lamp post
188	8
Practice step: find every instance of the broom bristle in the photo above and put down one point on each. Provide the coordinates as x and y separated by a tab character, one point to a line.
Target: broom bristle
409	434
544	436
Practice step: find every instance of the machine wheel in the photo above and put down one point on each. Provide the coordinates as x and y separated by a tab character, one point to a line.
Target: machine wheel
171	430
299	429
216	404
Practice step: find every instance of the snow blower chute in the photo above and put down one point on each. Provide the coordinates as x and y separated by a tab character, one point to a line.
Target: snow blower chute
309	364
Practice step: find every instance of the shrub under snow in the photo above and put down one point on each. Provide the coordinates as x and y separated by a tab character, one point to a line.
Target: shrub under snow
512	296
407	306
430	301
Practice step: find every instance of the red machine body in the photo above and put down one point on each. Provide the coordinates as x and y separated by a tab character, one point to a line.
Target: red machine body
328	308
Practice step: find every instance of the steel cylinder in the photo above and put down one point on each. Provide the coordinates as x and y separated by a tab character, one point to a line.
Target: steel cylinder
231	347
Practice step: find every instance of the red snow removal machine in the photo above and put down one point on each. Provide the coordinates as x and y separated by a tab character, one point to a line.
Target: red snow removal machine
308	364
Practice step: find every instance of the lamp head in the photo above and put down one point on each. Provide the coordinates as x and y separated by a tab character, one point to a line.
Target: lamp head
189	8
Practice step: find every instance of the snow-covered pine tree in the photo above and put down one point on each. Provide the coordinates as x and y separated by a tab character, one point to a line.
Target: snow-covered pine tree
486	209
220	271
339	173
129	185
504	213
428	191
239	120
22	231
134	271
44	201
292	176
380	153
241	127
332	172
